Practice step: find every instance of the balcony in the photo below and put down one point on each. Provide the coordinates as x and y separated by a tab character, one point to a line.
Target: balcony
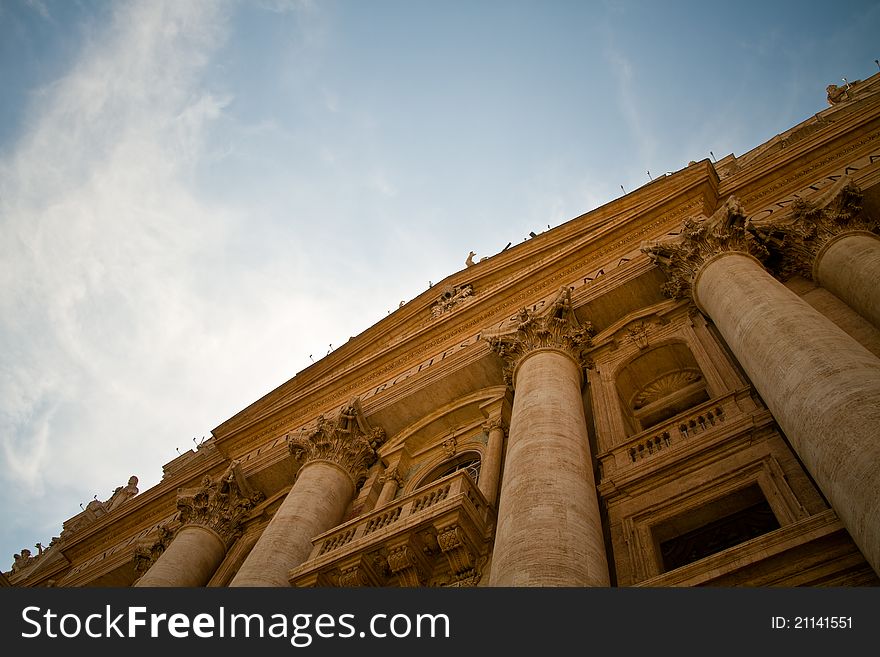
714	417
436	536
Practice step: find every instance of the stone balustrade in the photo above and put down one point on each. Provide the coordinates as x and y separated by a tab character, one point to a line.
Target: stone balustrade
414	521
668	435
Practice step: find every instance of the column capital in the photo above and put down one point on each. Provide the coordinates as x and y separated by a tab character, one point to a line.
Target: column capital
391	474
496	423
348	441
556	329
797	238
146	554
727	230
220	503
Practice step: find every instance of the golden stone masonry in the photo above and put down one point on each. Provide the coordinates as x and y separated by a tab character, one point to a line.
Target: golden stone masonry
679	388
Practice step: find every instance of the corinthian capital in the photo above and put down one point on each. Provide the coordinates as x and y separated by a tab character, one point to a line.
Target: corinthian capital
727	229
220	503
796	238
557	329
348	441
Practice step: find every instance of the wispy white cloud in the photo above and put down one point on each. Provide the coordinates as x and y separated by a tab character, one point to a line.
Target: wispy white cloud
137	313
114	313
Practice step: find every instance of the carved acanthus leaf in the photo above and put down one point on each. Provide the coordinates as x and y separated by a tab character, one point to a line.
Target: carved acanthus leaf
391	474
796	238
727	229
220	503
145	555
349	441
496	423
557	328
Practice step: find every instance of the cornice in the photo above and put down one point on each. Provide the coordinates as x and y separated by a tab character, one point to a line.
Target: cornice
825	127
794	169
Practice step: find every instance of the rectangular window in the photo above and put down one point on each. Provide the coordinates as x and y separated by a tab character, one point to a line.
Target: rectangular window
719	525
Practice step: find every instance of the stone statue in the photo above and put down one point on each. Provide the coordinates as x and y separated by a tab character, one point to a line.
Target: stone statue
470	259
22	561
839	94
122	493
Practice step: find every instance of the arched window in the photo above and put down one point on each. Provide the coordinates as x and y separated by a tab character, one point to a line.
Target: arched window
467	461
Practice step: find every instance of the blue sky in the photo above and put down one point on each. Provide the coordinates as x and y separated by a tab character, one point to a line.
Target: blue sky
199	198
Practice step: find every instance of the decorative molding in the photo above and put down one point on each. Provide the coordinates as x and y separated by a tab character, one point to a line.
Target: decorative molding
727	229
779	184
556	328
409	564
796	239
452	296
450	445
665	385
456	548
638	334
348	441
361	571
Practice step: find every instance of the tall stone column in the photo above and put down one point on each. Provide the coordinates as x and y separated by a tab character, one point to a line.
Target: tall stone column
549	531
832	241
822	386
490	470
335	456
210	519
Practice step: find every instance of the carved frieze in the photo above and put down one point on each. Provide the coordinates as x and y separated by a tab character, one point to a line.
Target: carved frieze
797	237
219	503
349	441
556	328
727	229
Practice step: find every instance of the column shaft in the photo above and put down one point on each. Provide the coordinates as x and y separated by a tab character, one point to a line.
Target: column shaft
549	531
490	470
316	503
849	267
822	386
190	560
389	490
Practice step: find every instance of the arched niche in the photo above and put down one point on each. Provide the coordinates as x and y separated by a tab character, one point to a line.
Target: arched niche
659	383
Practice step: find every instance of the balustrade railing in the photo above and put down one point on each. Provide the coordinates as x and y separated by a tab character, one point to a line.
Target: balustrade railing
451	489
668	435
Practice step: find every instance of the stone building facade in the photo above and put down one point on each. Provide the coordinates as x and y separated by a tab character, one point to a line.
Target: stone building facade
679	388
